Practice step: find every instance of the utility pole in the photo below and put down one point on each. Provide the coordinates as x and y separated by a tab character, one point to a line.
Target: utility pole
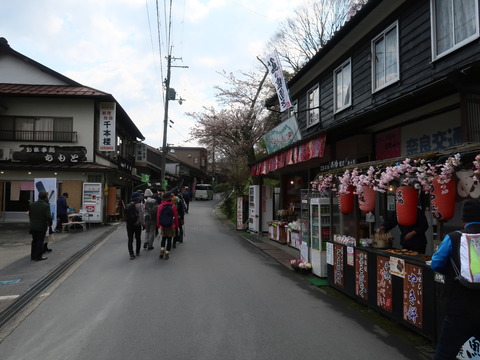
168	97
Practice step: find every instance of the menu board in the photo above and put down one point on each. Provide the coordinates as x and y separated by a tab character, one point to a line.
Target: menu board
338	265
384	284
361	274
413	295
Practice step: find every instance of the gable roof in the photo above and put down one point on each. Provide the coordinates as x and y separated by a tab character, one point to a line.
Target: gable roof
73	89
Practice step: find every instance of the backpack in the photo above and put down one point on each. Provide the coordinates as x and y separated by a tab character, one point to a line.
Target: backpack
131	213
166	216
151	207
469	252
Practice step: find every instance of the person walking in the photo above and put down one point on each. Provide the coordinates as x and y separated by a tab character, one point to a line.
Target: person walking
40	221
187	197
151	208
167	221
134	214
180	203
62	211
462	319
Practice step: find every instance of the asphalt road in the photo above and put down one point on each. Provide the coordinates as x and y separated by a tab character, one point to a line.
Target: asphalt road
217	297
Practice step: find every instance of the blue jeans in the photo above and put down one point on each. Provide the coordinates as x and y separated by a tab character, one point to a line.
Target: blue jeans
455	332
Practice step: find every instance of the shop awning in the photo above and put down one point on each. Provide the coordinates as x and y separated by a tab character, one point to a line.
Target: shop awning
296	154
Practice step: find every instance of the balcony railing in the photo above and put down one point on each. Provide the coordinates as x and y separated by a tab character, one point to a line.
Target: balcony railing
40	136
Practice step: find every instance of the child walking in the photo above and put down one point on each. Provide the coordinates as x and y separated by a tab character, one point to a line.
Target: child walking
167	221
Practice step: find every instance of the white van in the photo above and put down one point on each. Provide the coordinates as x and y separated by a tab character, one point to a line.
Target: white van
203	192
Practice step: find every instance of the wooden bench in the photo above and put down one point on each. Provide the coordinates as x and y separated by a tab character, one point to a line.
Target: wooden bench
69	225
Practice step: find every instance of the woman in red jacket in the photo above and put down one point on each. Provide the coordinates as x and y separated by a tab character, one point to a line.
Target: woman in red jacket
167	221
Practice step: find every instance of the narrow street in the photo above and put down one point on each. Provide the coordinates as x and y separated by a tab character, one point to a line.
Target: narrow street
217	297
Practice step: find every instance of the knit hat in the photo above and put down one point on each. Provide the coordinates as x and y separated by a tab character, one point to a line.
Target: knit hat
135	196
148	192
471	210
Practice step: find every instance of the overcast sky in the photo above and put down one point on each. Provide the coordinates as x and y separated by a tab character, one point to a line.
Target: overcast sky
112	46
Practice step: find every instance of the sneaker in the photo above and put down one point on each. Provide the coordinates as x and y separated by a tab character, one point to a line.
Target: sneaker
145	245
167	256
161	254
150	248
132	257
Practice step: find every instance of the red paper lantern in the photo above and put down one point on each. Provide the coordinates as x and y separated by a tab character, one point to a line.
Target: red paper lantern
443	205
366	199
346	201
406	205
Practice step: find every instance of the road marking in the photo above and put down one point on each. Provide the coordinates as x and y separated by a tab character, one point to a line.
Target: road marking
8	297
7	282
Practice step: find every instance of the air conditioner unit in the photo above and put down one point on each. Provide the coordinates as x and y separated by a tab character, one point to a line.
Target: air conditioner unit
5	153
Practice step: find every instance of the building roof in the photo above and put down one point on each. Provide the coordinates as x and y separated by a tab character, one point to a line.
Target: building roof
48	90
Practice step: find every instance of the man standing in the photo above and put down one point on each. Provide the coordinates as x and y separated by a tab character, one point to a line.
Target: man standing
40	220
462	319
62	211
134	214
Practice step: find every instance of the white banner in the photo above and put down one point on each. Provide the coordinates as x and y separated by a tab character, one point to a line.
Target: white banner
275	69
106	137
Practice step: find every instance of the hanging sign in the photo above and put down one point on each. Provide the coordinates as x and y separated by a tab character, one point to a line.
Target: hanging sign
107	137
42	154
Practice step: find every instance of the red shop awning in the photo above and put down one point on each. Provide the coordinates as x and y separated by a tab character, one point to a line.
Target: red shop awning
294	155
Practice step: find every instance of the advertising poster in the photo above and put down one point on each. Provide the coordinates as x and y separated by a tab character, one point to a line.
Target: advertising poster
384	284
92	201
50	186
338	274
397	267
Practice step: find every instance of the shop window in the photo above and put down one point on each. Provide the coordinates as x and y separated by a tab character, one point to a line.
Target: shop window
313	106
342	80
454	24
385	59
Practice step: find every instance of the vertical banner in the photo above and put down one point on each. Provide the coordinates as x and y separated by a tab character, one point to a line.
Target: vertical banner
384	284
275	70
361	274
413	295
338	270
239	213
107	137
50	186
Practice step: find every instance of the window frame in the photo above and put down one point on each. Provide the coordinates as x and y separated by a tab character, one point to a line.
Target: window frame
341	70
375	40
455	46
293	110
310	109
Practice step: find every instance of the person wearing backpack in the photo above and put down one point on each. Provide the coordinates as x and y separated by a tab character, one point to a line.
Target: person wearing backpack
462	315
167	221
151	207
134	215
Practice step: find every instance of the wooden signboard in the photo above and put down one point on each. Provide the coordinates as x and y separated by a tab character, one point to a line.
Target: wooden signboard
413	295
384	284
361	274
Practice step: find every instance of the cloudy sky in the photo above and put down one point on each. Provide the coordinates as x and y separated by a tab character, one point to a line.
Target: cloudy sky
113	46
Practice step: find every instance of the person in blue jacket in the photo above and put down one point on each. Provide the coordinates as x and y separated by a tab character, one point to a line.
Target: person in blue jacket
462	315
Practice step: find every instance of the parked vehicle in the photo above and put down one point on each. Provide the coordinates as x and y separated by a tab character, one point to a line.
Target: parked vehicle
203	192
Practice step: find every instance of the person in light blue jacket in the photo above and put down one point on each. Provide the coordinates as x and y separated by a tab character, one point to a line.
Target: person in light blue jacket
462	315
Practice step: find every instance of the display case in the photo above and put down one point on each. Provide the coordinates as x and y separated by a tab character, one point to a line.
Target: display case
320	230
305	223
254	208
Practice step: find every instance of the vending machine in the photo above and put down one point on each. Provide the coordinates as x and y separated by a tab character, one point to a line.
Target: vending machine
92	201
254	208
260	205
